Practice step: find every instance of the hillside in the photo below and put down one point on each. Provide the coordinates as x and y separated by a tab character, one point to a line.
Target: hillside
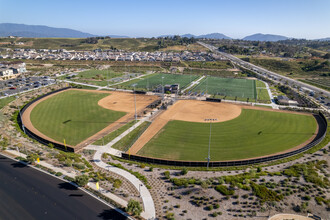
22	30
265	37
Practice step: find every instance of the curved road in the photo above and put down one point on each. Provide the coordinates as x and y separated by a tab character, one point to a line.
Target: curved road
27	193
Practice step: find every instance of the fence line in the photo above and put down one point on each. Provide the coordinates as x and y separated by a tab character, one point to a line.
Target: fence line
35	136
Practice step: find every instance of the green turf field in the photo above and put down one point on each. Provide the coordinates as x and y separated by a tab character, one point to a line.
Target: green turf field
154	80
254	133
242	88
73	116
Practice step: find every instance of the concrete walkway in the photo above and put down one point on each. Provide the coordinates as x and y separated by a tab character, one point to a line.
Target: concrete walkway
148	203
193	83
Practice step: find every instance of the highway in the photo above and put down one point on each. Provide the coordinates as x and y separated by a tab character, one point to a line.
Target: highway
26	193
262	71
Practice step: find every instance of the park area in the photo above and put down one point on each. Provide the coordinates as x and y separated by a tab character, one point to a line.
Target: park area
80	115
262	132
227	88
151	82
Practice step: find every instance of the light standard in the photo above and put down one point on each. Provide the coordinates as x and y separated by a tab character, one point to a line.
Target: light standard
163	86
135	101
140	189
208	155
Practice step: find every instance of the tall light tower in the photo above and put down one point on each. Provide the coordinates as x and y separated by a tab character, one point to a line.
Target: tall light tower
209	151
135	101
163	86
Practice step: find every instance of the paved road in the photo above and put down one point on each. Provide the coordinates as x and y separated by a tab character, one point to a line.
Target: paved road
260	70
26	193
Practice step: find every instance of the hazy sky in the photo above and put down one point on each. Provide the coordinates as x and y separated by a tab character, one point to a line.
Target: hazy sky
235	18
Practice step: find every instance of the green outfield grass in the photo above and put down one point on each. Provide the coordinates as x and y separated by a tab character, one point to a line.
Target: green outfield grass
151	82
263	96
73	116
254	133
260	84
242	88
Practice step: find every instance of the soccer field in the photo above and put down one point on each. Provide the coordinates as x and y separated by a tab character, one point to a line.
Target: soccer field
231	87
72	115
151	82
253	133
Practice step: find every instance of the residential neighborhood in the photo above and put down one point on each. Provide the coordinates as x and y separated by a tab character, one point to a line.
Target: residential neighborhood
110	55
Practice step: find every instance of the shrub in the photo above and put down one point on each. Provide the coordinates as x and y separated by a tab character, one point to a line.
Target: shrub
224	190
170	216
79	166
167	174
184	171
81	180
117	183
134	207
58	174
214	214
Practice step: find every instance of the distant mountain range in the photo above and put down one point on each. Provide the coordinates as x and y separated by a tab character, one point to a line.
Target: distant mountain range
265	37
23	30
208	36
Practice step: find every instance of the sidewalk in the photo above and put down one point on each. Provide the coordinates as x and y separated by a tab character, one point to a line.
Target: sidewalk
148	203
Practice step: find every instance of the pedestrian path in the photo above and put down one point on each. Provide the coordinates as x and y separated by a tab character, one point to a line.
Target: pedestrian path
148	203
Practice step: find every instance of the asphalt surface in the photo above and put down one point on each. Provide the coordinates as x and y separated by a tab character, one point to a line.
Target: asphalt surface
26	193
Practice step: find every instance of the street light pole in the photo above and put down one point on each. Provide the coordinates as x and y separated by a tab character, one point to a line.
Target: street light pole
135	102
140	189
209	150
163	85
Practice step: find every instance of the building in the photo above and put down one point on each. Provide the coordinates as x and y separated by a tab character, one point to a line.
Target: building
283	100
11	70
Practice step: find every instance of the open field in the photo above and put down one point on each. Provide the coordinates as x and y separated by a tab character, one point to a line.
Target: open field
128	44
154	80
263	96
73	116
294	68
243	88
321	83
262	132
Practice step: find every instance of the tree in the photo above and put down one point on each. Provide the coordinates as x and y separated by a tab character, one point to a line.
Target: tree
81	180
134	207
32	158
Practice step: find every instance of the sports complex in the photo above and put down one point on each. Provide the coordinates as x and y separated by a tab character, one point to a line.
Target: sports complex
182	133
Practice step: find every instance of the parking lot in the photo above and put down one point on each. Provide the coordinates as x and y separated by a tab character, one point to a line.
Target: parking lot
18	85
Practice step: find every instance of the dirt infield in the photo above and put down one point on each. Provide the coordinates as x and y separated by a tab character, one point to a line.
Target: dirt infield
118	101
197	111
